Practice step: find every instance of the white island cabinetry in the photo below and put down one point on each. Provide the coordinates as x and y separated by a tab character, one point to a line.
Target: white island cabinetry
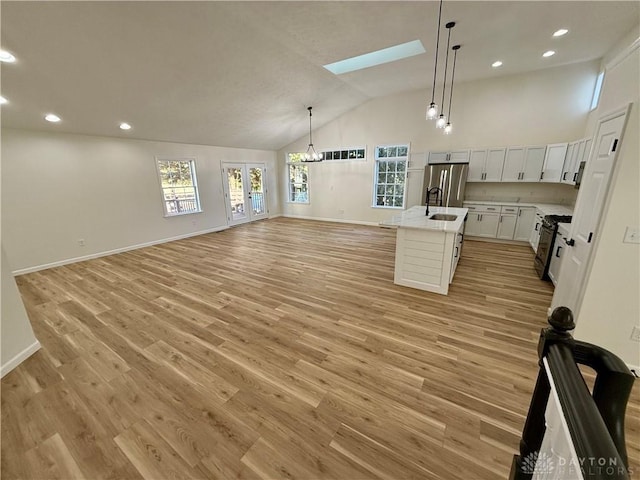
427	250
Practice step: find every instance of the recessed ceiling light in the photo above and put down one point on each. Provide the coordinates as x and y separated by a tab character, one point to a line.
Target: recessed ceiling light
125	126
6	57
52	117
548	53
3	100
561	32
496	64
386	55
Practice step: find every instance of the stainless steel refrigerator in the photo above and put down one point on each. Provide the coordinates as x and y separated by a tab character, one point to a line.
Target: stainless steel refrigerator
451	178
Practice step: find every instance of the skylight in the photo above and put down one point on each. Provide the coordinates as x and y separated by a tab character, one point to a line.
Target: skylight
386	55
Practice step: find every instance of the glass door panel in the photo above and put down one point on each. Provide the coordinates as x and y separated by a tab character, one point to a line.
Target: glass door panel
245	192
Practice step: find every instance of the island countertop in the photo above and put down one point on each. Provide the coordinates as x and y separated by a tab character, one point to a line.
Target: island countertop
415	217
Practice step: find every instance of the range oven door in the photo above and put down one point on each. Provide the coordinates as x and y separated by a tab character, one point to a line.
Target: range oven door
543	254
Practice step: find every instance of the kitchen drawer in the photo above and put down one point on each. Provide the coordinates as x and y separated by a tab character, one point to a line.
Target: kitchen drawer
510	210
479	208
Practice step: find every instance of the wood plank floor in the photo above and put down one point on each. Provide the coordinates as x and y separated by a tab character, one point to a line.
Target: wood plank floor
276	350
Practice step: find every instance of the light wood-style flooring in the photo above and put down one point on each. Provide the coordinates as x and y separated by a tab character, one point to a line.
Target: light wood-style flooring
276	350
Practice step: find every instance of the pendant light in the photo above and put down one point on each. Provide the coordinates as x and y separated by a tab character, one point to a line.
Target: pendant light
432	111
442	120
448	127
311	155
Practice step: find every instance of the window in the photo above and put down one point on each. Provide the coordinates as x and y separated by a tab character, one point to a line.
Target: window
179	186
596	91
298	178
390	175
345	154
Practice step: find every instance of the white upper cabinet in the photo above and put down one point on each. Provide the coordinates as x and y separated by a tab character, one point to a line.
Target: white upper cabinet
554	162
459	156
576	153
523	164
533	162
494	164
476	165
569	162
513	164
486	165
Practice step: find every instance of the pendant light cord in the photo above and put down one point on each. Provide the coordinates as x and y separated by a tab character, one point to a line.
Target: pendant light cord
310	138
449	26
453	74
435	67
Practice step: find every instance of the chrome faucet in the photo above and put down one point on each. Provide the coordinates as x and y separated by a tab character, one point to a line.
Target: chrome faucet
433	191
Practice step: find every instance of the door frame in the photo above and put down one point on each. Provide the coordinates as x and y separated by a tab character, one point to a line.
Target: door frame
622	111
244	166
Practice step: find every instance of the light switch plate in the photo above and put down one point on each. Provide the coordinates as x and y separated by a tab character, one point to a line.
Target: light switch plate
632	235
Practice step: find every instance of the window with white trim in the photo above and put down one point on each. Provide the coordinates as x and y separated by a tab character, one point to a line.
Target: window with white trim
357	153
179	186
390	175
298	178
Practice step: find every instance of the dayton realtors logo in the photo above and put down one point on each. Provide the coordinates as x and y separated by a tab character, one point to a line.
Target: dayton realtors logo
541	463
537	463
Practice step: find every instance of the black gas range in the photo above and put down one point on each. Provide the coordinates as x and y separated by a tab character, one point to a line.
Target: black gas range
545	246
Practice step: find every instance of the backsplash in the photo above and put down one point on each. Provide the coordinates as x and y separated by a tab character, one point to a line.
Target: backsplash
522	192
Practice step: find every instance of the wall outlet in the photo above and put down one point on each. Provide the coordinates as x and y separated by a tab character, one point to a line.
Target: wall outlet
81	242
635	334
632	235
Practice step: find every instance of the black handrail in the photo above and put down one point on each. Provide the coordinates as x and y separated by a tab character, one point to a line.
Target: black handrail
598	456
595	421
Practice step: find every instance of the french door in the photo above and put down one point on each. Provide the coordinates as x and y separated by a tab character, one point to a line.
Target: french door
245	191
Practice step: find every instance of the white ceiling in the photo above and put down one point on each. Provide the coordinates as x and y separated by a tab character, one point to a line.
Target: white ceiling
241	74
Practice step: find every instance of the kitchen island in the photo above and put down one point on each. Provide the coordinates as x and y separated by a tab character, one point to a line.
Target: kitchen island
427	247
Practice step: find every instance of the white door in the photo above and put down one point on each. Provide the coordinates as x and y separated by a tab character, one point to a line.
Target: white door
586	217
244	187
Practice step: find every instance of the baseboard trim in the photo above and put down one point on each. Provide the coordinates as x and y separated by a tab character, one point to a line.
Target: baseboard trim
335	220
497	240
91	256
19	358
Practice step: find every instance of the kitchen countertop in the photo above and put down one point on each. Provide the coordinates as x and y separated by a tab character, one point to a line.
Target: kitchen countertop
415	217
546	208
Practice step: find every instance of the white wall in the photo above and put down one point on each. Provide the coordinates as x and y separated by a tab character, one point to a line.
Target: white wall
58	188
547	106
611	304
17	341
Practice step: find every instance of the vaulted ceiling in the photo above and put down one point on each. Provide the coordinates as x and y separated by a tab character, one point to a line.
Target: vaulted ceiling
241	74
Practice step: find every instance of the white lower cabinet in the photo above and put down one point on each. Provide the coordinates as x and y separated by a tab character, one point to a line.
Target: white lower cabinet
457	251
524	224
556	255
534	238
507	227
482	224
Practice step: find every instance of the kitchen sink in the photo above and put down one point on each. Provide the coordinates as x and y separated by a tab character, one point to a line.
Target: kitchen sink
444	217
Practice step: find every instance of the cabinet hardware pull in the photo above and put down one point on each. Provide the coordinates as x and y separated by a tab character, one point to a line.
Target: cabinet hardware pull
541	175
519	212
590	237
571	242
558	252
564	176
575	177
456	255
536	227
